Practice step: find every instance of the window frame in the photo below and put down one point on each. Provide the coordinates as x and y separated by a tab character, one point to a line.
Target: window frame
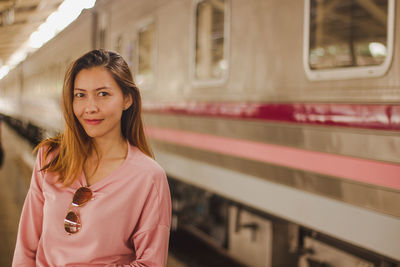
116	37
103	24
192	47
143	24
347	72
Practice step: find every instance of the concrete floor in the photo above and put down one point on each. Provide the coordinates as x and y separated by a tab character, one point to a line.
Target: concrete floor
14	182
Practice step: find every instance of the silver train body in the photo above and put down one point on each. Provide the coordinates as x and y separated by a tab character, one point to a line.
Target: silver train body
226	162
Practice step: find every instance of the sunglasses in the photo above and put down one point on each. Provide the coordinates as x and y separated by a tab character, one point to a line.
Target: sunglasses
72	222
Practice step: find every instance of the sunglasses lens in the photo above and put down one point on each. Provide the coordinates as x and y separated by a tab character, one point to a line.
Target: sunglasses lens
82	196
72	223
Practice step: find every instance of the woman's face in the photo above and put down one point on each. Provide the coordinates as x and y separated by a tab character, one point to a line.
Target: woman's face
98	103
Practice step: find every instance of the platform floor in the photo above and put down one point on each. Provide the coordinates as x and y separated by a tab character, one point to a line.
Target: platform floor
14	181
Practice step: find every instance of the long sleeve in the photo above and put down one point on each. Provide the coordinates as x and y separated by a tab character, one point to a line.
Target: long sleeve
151	236
152	247
30	225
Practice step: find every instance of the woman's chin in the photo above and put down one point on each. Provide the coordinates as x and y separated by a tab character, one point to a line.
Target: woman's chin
92	134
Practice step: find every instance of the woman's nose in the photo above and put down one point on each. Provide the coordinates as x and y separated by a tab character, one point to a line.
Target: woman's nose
91	105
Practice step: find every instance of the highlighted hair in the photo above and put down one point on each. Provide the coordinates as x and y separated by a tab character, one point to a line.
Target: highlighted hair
73	145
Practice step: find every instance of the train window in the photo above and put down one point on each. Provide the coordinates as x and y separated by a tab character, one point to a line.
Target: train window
348	39
118	44
146	55
210	61
130	51
102	30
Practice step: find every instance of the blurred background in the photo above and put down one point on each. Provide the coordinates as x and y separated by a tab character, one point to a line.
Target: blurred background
276	121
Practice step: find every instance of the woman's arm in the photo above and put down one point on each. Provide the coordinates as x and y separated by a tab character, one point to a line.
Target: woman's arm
30	225
152	247
151	236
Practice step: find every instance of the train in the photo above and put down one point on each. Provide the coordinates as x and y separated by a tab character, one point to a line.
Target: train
276	121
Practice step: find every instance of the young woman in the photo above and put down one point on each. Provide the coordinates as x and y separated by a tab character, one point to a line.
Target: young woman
97	198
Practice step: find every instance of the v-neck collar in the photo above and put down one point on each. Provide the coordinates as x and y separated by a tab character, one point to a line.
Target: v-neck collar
99	184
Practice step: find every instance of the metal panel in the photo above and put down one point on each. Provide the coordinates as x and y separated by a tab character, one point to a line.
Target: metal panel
367	229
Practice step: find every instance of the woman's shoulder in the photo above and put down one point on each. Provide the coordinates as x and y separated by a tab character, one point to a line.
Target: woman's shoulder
145	164
47	149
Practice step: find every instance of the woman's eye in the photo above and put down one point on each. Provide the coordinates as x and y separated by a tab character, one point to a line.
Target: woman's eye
103	94
79	95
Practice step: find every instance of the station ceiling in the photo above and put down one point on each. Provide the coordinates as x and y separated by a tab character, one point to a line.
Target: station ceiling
18	20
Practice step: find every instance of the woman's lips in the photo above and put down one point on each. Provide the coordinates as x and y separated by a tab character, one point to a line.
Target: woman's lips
93	122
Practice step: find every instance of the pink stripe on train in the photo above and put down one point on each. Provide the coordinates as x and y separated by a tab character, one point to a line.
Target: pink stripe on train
380	117
360	170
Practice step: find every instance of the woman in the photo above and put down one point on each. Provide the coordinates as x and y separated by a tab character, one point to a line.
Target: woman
97	198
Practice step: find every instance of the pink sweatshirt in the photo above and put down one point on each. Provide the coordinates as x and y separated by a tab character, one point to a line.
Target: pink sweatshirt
126	224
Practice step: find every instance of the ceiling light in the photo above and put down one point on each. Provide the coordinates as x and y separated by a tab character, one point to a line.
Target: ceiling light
66	13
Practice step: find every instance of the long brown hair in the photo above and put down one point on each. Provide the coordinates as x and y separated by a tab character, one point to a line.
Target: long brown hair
74	145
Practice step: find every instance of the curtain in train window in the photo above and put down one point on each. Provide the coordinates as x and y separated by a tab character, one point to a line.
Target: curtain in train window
146	55
210	62
347	33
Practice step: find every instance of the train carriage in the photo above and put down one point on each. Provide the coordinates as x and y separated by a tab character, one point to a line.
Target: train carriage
277	122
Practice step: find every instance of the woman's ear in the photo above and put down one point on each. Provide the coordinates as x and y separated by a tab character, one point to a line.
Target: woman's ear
127	101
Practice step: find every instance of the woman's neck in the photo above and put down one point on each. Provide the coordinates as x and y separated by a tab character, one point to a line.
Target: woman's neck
110	155
110	148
